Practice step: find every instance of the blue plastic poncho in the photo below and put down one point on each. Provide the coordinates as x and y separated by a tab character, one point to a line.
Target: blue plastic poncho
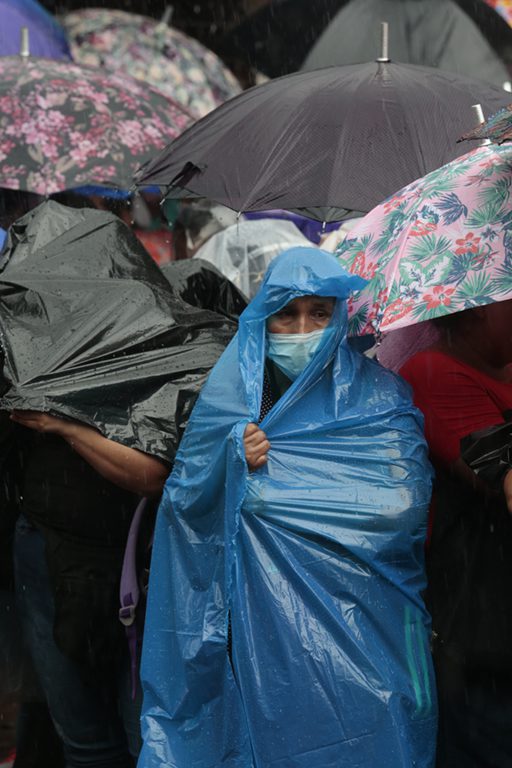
317	559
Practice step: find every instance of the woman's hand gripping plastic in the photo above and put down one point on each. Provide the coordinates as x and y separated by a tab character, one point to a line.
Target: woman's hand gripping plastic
256	447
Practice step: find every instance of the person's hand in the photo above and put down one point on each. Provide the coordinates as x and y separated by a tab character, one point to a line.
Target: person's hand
41	422
256	447
507	488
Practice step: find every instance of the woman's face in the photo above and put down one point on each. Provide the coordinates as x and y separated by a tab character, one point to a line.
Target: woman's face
302	315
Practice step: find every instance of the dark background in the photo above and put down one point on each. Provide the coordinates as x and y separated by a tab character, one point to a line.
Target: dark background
270	36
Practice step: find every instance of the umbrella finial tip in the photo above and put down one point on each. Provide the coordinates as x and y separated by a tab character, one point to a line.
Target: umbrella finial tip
24	42
480	120
384	50
167	15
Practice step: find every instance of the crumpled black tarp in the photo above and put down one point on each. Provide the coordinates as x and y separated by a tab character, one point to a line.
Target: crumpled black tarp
92	330
488	452
199	283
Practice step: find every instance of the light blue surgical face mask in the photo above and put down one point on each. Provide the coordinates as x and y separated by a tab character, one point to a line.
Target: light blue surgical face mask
292	352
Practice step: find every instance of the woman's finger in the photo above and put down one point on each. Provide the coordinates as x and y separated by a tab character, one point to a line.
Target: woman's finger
257	437
260	461
253	455
251	444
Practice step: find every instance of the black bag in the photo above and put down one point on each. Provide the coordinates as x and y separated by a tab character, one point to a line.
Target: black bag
469	561
489	453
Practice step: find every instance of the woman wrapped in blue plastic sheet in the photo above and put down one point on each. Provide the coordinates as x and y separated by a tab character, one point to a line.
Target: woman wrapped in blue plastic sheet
312	563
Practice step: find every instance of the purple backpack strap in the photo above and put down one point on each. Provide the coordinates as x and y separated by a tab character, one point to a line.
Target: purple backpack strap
129	591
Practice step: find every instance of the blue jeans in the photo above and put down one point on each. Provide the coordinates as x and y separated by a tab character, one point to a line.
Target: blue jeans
99	727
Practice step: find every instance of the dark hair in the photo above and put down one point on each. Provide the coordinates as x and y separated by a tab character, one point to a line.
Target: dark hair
447	322
15	203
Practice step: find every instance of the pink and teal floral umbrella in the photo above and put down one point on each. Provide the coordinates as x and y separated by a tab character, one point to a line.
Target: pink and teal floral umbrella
441	245
497	128
164	57
63	126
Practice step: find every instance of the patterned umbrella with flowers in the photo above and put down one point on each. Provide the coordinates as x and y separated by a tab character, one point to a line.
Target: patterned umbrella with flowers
441	245
64	126
148	50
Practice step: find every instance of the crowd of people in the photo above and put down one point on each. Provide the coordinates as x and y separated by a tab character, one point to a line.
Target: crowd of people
288	562
296	553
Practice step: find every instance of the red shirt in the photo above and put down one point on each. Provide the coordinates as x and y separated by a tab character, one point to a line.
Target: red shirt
455	398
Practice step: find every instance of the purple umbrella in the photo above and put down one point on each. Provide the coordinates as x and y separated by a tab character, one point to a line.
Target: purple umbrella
46	37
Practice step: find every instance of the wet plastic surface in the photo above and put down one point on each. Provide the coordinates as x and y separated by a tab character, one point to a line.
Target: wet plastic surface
317	559
243	251
92	330
202	285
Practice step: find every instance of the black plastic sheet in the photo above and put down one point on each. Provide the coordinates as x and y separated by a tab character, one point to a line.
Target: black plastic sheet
489	453
92	330
199	283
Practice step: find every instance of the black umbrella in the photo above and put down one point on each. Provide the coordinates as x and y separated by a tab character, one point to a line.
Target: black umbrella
276	39
333	142
92	330
433	33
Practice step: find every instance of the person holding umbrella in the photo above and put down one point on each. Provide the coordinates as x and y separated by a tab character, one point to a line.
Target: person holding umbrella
439	251
463	385
74	473
100	371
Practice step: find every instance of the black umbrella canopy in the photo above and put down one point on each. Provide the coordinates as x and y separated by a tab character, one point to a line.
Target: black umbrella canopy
434	33
277	38
330	143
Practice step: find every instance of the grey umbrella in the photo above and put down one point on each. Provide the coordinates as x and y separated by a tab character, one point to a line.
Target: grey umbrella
433	33
333	141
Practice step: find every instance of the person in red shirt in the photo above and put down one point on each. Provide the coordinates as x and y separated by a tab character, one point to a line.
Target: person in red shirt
463	384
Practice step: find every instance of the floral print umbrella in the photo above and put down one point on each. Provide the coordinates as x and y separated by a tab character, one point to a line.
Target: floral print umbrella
63	126
151	51
497	128
440	245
